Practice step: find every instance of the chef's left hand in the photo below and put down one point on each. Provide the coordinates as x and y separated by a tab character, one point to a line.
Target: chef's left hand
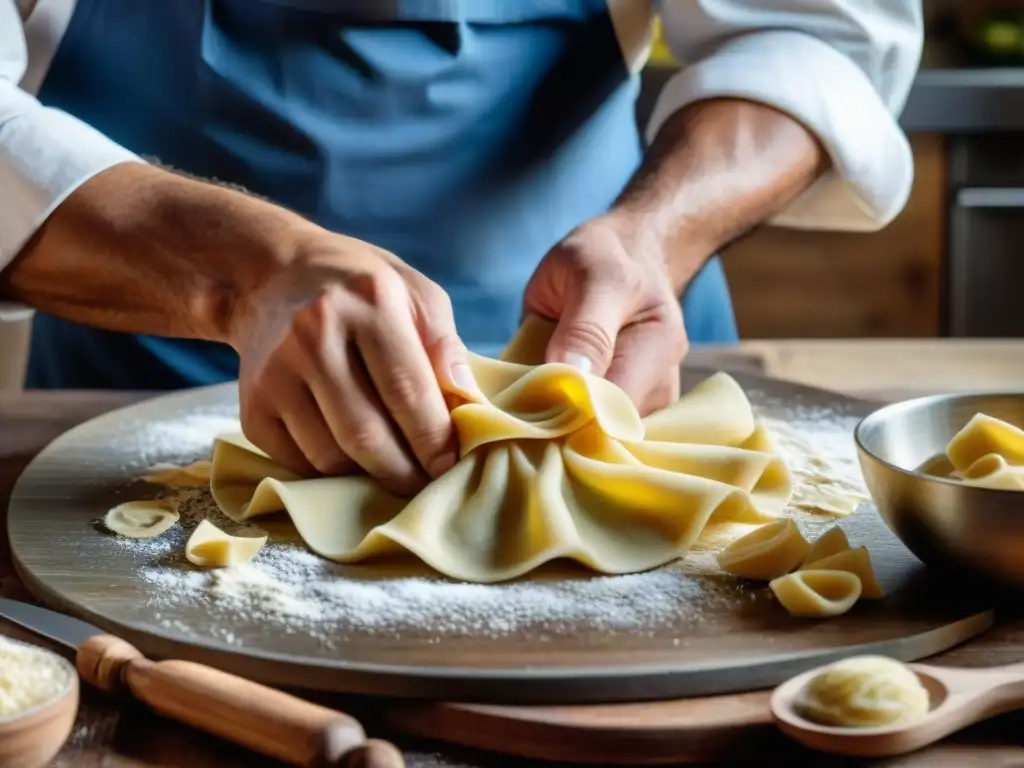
617	313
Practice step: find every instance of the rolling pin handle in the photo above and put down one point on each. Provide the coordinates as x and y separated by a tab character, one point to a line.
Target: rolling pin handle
265	720
101	662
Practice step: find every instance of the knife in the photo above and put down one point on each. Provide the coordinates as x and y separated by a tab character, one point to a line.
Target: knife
262	719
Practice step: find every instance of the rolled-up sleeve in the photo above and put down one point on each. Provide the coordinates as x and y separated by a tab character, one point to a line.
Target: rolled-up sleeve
842	68
45	154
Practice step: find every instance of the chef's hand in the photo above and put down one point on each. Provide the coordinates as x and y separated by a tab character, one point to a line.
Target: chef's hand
342	351
617	314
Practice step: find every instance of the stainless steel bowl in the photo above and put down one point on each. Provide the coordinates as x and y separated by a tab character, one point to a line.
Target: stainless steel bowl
942	521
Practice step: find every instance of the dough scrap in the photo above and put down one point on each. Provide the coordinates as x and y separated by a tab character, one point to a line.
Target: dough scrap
554	464
856	561
831	542
145	519
765	553
823	495
817	594
988	453
194	474
210	547
864	692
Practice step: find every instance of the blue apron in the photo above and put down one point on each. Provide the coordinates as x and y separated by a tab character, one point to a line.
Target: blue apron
465	136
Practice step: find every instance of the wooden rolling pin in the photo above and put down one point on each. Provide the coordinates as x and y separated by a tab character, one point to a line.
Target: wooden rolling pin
262	719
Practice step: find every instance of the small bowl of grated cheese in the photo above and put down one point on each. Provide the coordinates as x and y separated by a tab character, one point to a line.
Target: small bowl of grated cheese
38	704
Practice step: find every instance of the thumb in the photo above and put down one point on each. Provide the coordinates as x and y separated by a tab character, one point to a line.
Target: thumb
588	327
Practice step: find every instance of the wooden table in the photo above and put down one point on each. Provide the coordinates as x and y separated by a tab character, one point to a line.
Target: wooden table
110	734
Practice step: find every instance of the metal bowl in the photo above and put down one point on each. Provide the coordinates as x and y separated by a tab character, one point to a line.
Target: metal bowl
942	521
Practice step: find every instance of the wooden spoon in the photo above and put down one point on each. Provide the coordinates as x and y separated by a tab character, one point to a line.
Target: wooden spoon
959	697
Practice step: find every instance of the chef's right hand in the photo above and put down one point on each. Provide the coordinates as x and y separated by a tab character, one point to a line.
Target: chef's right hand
342	351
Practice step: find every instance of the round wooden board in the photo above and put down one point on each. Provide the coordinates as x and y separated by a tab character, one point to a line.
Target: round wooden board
748	644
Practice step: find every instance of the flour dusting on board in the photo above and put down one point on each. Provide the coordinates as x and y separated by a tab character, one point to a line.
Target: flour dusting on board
818	447
294	591
300	592
181	440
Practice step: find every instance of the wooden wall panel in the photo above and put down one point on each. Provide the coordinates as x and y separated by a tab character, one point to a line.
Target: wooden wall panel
799	284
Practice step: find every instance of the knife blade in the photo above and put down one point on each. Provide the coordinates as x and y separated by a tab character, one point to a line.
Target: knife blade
48	624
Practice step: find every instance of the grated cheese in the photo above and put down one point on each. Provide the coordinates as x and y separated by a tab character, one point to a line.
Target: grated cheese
29	677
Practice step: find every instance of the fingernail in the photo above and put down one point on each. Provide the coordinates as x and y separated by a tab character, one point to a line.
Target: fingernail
576	360
463	378
442	464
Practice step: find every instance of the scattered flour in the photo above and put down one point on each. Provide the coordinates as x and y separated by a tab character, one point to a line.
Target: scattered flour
181	440
300	592
818	447
297	589
29	677
291	590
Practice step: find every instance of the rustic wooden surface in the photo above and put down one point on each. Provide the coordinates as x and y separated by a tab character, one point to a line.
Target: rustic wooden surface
896	368
113	735
737	642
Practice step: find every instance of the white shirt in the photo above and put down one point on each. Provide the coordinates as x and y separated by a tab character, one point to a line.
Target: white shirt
843	68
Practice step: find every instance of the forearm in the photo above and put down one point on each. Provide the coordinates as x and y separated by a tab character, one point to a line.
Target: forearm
716	169
144	250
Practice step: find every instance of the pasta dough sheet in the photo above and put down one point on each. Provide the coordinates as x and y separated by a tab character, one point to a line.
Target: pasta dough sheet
554	463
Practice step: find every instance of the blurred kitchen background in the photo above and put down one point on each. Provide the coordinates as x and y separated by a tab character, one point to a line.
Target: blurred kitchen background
952	264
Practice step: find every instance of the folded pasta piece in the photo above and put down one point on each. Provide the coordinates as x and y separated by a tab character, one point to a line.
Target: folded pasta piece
194	474
554	464
856	561
988	453
144	519
831	542
210	547
817	594
766	553
993	471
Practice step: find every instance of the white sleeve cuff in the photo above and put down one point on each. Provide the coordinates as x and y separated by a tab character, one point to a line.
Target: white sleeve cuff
872	163
45	155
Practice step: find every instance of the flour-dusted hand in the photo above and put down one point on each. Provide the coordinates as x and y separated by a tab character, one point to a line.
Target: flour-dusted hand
341	355
617	313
